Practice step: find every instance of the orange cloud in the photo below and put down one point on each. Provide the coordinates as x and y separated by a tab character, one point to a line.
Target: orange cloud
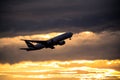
80	69
86	37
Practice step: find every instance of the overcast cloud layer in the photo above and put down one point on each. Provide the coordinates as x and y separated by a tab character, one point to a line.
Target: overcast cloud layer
21	17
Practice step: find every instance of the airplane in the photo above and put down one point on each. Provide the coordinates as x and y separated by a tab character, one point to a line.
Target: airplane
58	40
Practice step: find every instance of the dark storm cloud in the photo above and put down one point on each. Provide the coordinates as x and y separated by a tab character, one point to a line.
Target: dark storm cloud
104	45
19	17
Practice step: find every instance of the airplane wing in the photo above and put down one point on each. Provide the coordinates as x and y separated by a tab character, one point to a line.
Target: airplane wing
36	41
45	43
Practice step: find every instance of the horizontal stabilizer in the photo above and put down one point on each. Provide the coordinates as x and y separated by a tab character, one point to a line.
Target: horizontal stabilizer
28	49
23	48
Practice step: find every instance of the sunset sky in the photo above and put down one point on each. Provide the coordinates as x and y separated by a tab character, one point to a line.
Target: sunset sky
94	45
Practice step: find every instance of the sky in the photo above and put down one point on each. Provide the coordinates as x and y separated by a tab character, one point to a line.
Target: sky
92	53
57	70
95	24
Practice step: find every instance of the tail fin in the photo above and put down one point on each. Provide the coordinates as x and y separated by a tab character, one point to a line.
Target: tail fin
29	44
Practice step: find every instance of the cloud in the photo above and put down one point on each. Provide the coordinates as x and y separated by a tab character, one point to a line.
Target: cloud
84	45
32	17
102	64
105	69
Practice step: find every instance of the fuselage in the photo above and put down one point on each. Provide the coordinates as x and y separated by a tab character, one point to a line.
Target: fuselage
55	40
62	37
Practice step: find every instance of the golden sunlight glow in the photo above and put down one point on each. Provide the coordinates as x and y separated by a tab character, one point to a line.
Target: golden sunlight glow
76	69
87	35
45	36
87	32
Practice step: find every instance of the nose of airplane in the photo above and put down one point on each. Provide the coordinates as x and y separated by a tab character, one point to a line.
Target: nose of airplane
71	33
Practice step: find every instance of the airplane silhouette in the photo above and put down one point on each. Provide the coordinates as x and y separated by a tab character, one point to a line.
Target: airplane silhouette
58	40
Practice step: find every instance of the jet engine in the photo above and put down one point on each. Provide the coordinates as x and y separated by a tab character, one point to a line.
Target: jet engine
61	42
